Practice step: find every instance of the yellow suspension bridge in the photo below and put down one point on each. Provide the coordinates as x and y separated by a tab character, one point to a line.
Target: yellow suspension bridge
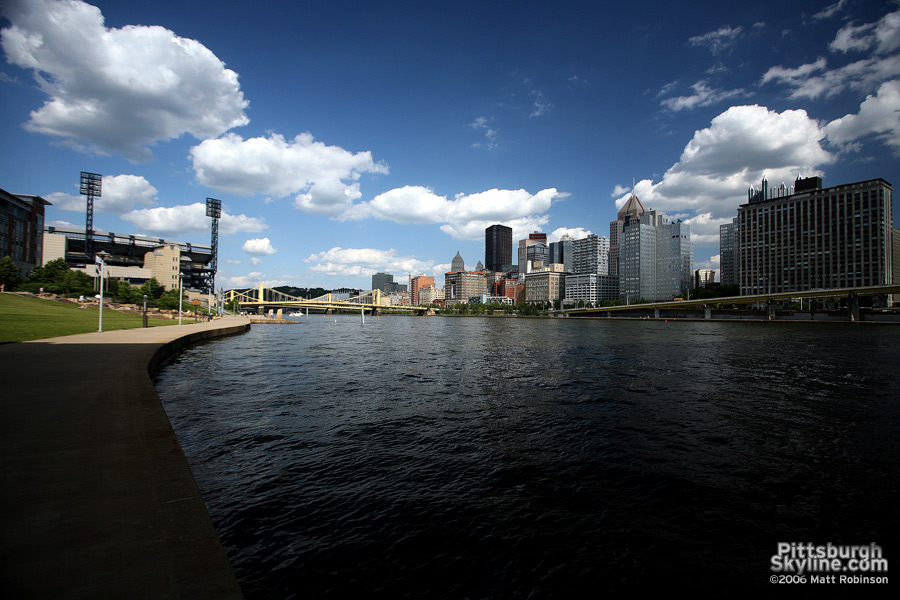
262	298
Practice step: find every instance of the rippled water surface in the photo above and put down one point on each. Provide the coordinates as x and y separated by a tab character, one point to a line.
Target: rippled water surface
514	458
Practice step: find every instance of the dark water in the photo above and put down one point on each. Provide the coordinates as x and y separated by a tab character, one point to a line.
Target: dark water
514	458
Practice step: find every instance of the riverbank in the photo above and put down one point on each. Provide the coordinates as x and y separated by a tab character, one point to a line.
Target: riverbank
98	498
25	317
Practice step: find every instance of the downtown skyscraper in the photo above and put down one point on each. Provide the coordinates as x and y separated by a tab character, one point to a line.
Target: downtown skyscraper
498	248
808	237
654	259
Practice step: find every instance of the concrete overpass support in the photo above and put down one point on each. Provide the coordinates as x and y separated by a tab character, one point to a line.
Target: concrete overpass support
707	313
770	309
853	307
655	313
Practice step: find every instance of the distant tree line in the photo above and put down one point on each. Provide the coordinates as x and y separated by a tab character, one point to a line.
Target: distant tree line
713	291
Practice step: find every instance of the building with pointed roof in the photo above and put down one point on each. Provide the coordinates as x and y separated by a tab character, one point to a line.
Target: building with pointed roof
652	258
633	208
457	264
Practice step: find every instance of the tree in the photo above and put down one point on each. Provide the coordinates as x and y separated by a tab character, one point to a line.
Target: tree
168	300
75	282
9	274
51	273
57	277
126	293
152	288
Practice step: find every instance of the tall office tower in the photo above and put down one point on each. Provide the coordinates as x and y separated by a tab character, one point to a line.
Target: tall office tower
729	258
808	237
591	255
674	259
562	252
533	238
556	253
457	264
655	257
383	282
537	255
416	284
498	248
896	255
634	208
637	262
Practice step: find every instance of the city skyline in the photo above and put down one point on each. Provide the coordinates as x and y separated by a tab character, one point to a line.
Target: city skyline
348	139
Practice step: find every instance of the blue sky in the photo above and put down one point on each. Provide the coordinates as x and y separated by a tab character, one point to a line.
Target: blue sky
345	138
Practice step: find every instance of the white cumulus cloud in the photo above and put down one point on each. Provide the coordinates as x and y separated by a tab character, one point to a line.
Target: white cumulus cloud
365	262
189	219
878	114
740	147
577	233
119	194
882	36
250	280
466	216
619	190
258	247
118	90
323	177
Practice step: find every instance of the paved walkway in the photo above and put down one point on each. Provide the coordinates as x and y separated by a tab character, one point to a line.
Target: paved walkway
96	497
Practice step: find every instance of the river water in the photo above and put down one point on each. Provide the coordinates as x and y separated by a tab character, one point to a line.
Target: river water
536	458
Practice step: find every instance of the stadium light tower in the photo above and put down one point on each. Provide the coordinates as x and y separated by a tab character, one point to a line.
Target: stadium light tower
214	210
90	187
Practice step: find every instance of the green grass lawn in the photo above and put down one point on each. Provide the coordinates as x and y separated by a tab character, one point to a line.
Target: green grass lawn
25	318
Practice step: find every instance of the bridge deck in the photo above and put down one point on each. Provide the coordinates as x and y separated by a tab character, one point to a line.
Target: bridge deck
875	290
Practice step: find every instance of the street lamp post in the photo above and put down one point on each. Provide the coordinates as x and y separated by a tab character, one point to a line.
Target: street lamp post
99	259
